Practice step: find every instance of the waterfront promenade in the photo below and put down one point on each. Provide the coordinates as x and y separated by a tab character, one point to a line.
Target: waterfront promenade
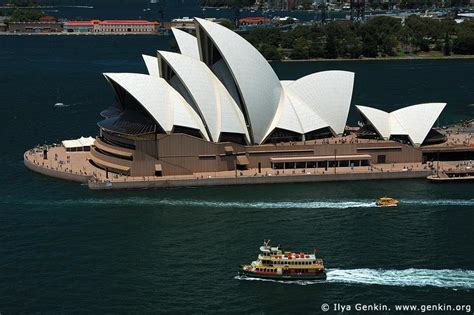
76	166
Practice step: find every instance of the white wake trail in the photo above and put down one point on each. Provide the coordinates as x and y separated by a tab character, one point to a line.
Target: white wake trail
442	278
285	204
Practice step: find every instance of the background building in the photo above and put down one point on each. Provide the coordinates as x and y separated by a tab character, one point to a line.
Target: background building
35	27
79	26
111	26
125	26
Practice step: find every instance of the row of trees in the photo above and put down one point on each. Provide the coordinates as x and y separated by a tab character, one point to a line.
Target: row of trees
24	15
418	4
23	3
378	37
374	4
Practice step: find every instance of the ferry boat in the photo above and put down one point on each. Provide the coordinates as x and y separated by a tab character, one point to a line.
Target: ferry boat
277	264
387	202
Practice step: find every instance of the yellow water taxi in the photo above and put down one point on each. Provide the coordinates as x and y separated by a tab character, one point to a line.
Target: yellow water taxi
275	263
387	202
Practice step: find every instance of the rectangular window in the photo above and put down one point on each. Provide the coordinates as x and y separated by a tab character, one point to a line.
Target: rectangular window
343	163
277	166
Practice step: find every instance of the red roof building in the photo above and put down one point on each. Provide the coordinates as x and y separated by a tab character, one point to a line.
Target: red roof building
111	26
47	18
254	20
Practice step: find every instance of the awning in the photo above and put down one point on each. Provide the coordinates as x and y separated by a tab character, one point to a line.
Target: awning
242	160
158	168
321	158
78	143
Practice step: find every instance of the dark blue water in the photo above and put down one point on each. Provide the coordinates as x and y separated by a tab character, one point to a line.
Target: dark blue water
134	9
66	249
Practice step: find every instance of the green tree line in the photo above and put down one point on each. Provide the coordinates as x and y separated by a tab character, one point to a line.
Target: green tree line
24	3
378	37
25	15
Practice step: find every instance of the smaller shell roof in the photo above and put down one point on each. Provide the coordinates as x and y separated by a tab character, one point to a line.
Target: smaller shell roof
295	115
379	119
329	94
166	106
152	65
187	43
413	121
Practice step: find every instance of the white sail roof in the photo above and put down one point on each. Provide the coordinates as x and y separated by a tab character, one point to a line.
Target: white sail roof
187	43
259	87
166	106
329	94
295	115
413	121
213	102
309	118
379	119
151	65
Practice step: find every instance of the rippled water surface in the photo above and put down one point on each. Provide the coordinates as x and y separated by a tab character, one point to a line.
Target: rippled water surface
64	248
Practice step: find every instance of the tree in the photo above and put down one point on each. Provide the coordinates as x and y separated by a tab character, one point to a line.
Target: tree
464	42
447	45
317	42
25	16
24	3
267	35
423	32
342	41
226	23
269	52
464	45
300	49
380	35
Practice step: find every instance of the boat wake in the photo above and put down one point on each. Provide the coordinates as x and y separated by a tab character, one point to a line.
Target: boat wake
75	6
308	204
440	202
443	278
134	201
61	105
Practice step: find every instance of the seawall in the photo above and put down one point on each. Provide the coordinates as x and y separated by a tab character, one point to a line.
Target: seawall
166	183
57	174
133	183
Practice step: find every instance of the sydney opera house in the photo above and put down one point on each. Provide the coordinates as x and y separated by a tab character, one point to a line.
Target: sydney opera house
218	105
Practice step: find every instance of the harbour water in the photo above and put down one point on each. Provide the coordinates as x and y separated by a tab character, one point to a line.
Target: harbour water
65	248
140	9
